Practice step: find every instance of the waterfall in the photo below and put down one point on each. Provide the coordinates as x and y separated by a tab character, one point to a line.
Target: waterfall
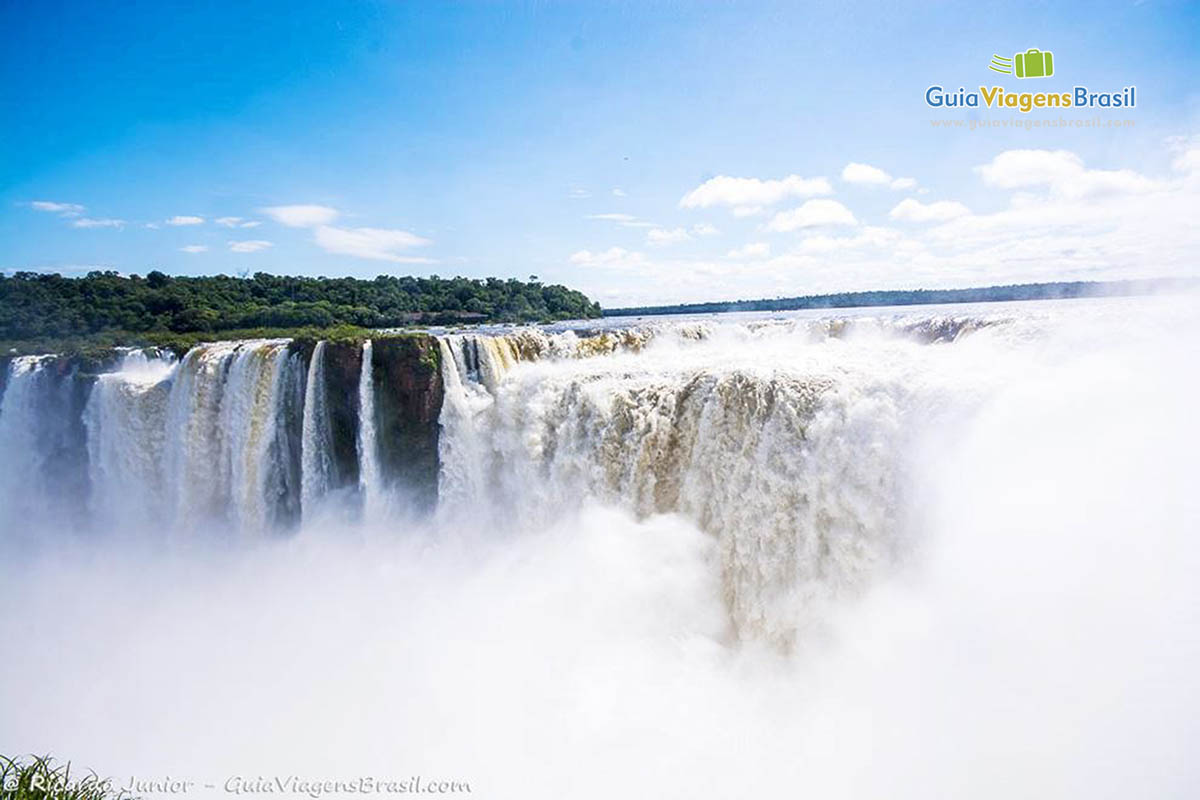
43	451
126	419
460	456
190	446
249	419
21	492
315	437
369	473
785	440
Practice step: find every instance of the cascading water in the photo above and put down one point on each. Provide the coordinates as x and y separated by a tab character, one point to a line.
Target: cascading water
787	440
315	464
855	555
126	419
369	473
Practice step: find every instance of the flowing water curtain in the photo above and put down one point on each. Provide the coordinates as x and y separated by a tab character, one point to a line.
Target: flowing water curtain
792	466
194	447
316	459
43	449
249	416
126	420
374	504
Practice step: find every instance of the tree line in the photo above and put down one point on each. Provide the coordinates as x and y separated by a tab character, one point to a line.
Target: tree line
46	305
909	297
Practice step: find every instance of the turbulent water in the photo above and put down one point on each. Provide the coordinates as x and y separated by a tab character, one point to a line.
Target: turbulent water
930	552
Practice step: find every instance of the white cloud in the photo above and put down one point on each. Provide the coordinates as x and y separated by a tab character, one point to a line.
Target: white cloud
814	213
249	246
236	222
665	236
1188	160
864	173
62	209
751	250
916	211
185	220
86	222
618	192
855	172
379	244
1067	222
194	248
1062	172
624	220
748	196
704	229
613	217
301	216
578	193
867	238
617	258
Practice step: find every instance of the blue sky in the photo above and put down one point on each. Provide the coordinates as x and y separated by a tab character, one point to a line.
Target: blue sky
564	140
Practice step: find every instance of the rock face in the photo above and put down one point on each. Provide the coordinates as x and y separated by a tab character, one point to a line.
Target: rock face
408	400
343	362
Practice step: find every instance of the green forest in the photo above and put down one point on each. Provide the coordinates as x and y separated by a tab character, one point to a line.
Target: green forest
40	306
913	297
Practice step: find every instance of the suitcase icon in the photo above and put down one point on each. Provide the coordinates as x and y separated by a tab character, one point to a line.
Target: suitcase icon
1034	63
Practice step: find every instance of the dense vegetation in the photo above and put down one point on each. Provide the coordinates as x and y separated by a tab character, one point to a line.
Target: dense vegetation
41	306
39	778
911	297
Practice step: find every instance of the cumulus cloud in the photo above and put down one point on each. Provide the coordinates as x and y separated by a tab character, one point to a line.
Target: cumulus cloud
814	213
664	236
870	237
864	173
617	258
750	250
618	191
855	172
1062	220
301	216
578	193
1062	172
185	220
249	245
87	222
704	229
749	196
916	211
62	209
379	244
194	248
236	222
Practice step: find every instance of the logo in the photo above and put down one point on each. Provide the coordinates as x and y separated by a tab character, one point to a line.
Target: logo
1033	63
